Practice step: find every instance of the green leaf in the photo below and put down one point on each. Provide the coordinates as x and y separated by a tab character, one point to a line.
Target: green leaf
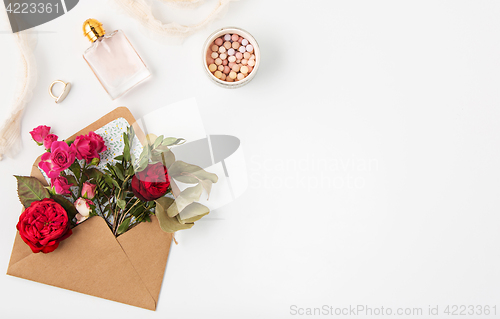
192	213
68	206
123	226
165	203
169	141
187	196
131	134
169	224
207	185
168	158
119	158
121	203
110	181
188	173
137	211
142	165
71	179
76	169
120	171
126	148
146	152
130	170
93	173
30	190
158	141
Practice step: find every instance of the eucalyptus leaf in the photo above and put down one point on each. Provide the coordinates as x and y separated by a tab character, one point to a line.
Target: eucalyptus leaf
207	185
165	204
162	148
158	141
142	165
156	157
169	224
169	141
187	196
188	173
30	189
168	158
151	138
192	213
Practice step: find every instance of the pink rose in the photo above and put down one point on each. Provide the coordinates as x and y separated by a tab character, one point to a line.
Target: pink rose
48	140
60	185
38	134
88	190
60	158
89	146
82	205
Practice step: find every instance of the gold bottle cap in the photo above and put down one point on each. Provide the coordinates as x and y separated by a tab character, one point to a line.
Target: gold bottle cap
93	29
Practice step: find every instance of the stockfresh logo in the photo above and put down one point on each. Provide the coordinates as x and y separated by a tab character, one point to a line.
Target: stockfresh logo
26	14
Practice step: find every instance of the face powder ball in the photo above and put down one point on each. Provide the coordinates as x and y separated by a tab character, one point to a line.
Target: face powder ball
230	58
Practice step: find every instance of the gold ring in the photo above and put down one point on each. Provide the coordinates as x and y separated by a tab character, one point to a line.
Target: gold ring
64	93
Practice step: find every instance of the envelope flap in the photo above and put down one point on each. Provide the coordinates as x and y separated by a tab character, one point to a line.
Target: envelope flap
90	261
147	247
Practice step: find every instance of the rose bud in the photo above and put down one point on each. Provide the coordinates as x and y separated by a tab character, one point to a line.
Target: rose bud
48	140
82	205
60	186
152	183
40	133
95	161
88	190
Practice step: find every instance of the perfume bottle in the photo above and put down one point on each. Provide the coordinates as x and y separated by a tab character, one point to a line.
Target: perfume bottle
113	59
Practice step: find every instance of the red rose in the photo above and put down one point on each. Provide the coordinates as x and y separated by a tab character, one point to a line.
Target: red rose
152	183
89	146
43	225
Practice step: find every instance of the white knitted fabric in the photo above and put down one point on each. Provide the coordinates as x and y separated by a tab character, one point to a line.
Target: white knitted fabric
10	129
172	32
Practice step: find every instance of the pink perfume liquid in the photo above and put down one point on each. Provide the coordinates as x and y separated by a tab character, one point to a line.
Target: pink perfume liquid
116	63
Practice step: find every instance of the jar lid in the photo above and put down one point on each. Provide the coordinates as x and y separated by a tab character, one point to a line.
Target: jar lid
93	29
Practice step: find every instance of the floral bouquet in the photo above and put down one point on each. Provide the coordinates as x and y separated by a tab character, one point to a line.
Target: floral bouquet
126	192
108	207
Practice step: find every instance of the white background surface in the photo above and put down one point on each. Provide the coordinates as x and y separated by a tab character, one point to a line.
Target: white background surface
371	137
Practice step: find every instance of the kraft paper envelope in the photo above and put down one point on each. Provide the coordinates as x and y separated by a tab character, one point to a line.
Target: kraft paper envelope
127	269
